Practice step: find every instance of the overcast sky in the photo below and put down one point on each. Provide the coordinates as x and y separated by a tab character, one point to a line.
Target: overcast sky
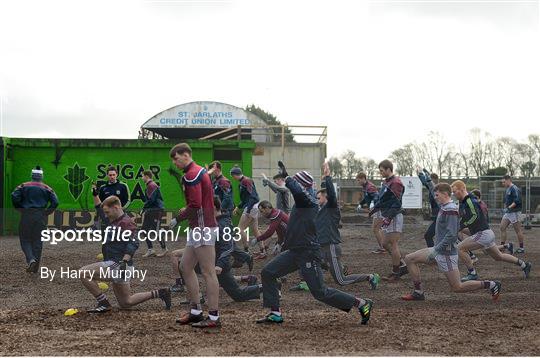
378	73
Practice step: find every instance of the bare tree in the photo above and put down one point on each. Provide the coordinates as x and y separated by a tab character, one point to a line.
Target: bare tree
404	159
479	151
336	168
351	164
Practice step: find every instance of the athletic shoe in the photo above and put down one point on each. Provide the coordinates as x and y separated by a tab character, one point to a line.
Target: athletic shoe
374	281
365	311
520	250
251	280
177	288
510	248
271	319
469	277
527	269
495	291
163	252
250	263
102	307
188	318
33	267
414	296
207	323
149	253
165	295
302	286
379	250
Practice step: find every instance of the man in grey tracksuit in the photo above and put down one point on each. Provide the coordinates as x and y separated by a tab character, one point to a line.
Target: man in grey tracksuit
282	193
327	224
301	252
444	253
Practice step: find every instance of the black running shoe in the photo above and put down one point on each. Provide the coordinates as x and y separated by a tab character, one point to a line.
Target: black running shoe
102	307
165	295
33	267
365	311
207	323
188	318
527	269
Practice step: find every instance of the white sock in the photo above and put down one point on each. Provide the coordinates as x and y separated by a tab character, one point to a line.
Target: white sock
195	312
277	313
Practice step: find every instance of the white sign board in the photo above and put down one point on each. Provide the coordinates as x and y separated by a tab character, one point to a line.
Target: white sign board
412	197
204	115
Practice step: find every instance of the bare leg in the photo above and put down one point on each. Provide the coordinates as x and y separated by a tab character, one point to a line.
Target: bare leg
519	232
188	263
206	256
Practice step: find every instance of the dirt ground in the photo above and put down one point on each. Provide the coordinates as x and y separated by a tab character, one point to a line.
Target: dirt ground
32	320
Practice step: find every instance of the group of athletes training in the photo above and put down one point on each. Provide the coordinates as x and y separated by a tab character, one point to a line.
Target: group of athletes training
307	230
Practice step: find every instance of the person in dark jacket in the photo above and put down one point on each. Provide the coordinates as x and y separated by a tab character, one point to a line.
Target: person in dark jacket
152	212
223	189
249	201
224	249
327	224
117	265
370	196
429	181
302	252
35	200
512	211
112	187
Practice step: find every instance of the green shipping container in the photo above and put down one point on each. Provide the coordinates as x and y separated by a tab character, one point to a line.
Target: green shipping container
70	166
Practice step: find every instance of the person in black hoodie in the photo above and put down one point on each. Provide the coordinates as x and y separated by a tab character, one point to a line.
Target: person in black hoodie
301	251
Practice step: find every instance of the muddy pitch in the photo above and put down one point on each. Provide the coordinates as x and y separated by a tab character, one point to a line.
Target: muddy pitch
32	320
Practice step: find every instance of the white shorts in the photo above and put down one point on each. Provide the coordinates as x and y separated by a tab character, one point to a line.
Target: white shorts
254	213
113	273
396	225
447	263
197	237
376	216
512	217
486	238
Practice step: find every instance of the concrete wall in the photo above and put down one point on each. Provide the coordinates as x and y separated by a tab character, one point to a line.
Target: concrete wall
297	156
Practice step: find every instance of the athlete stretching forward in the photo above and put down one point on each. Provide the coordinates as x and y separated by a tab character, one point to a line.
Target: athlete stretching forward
444	253
117	260
482	237
302	252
